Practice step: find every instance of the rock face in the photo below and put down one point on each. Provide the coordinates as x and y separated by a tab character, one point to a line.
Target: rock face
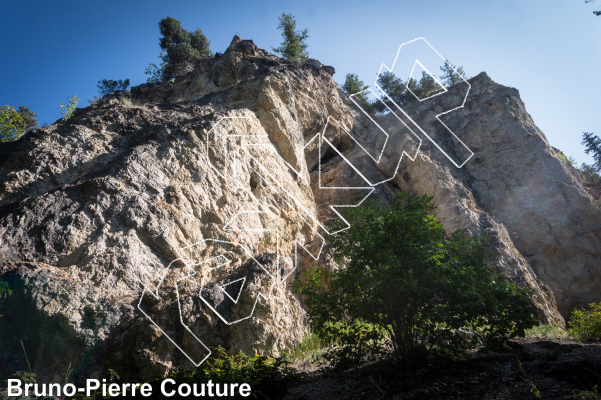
150	227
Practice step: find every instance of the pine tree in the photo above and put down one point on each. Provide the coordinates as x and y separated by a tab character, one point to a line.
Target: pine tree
107	86
353	85
293	47
449	76
180	49
592	144
29	117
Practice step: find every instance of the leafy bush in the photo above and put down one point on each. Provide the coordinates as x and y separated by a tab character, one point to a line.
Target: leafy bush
585	323
12	124
268	377
408	286
67	110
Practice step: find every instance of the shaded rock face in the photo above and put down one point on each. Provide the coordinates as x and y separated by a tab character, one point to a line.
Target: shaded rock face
516	176
106	220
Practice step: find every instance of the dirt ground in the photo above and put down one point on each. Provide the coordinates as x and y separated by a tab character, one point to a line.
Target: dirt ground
527	369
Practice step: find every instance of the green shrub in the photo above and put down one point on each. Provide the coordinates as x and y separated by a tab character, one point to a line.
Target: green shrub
267	376
12	125
67	110
408	286
585	323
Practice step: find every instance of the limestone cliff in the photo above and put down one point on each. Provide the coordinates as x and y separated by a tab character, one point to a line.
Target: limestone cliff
175	216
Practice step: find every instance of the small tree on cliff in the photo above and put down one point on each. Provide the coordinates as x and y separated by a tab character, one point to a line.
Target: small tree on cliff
107	86
592	144
293	47
451	75
14	123
180	49
410	285
353	85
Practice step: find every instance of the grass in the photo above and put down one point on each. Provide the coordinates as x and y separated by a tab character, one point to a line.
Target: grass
132	103
309	351
590	394
546	330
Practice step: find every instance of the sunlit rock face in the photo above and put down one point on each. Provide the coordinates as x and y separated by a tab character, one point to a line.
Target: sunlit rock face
139	192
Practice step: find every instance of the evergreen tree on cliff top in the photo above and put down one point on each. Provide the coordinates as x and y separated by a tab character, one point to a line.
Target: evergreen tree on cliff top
293	47
180	50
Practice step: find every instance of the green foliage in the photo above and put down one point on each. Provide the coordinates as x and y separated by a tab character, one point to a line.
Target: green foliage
29	117
545	330
589	174
4	290
293	47
107	86
94	100
585	324
451	75
268	377
409	286
592	144
156	74
594	392
12	124
25	377
180	49
571	161
353	85
533	389
398	91
67	110
311	350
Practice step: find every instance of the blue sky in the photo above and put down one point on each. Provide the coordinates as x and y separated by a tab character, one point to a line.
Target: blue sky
549	50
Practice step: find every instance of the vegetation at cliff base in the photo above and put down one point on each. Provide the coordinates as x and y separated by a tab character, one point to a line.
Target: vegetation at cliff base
267	376
585	323
408	288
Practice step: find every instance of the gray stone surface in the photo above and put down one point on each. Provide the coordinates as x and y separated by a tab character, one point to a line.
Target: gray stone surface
95	209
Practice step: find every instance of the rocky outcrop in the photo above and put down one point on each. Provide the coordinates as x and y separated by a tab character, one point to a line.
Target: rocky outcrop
152	226
516	176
